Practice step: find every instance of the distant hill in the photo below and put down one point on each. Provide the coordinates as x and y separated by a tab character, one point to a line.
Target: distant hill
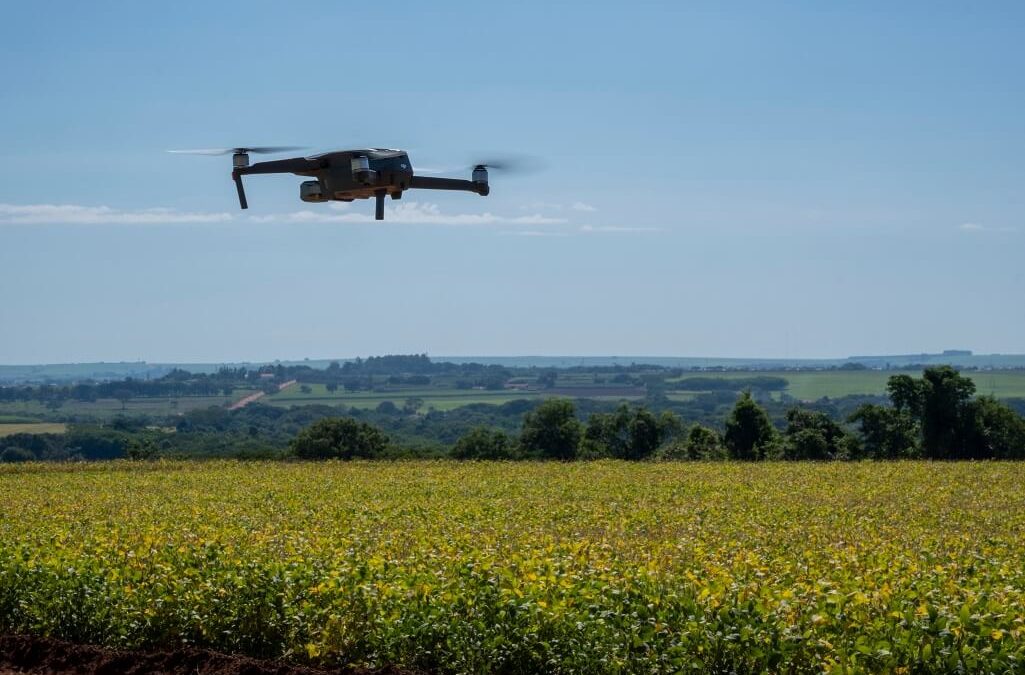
65	372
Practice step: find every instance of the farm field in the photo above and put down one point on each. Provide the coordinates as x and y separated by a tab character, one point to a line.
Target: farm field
107	408
528	567
812	385
438	398
9	429
802	385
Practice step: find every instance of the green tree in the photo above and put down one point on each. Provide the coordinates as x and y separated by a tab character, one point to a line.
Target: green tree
998	431
813	435
906	394
941	410
626	433
141	448
704	443
947	413
551	430
885	433
670	426
749	432
644	435
339	437
604	436
701	442
484	443
16	454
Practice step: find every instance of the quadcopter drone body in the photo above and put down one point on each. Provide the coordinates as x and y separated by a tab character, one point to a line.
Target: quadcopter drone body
347	175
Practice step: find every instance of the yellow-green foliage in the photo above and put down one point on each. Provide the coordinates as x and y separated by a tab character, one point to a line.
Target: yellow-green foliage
584	567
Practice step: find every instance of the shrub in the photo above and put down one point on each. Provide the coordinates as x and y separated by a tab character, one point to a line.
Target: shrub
341	438
484	443
552	430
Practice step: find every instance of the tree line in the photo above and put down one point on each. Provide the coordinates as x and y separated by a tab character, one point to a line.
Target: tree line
175	384
936	416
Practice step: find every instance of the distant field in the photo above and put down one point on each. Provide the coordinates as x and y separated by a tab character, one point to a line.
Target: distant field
106	408
808	385
433	398
811	385
1002	384
32	428
443	396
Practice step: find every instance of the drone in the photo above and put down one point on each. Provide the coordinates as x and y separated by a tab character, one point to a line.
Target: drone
347	175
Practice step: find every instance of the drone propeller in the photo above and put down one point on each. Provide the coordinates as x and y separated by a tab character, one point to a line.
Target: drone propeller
240	160
262	150
513	164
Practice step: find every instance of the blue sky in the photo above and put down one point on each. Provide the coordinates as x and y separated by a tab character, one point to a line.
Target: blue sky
724	179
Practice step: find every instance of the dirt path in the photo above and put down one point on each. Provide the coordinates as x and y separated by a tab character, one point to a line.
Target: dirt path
243	402
24	655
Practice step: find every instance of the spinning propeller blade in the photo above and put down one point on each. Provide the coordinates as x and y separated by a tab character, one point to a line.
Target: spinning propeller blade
507	163
261	150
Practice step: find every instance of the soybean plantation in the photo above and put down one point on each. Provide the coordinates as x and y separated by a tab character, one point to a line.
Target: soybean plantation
589	567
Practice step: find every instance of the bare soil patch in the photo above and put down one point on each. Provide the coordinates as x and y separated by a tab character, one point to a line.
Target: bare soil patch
27	655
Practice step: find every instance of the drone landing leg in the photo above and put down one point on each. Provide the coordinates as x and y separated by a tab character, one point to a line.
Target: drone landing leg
379	212
241	191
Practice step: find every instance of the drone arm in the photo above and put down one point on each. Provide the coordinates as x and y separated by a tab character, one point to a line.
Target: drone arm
433	183
293	165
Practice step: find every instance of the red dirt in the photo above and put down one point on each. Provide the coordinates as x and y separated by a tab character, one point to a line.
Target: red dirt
243	402
26	655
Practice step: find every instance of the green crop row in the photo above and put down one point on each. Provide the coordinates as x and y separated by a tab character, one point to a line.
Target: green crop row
602	567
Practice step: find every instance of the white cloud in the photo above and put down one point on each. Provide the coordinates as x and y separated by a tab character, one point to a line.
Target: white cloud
542	206
75	214
410	213
617	228
975	227
407	212
535	233
552	206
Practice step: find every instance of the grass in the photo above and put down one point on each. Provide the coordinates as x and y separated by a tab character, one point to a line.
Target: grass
9	429
604	567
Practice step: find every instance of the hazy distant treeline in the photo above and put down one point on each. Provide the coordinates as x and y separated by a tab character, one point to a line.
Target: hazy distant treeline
936	416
